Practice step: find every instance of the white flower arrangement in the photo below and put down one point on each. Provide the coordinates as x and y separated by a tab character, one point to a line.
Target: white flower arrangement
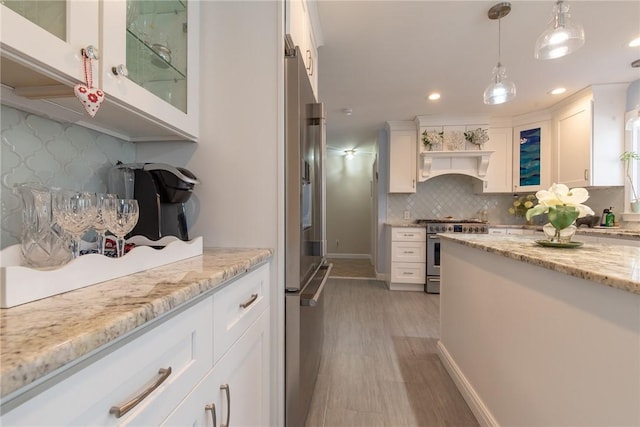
477	137
432	139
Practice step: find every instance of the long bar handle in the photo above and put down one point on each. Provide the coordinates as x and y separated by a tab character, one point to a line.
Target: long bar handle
119	411
212	407
250	301
433	280
225	387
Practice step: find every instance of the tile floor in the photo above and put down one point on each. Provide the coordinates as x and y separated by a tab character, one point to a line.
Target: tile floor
380	366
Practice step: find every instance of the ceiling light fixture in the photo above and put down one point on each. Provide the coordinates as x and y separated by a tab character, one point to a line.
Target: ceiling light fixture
501	89
434	96
349	153
558	91
347	111
562	35
634	42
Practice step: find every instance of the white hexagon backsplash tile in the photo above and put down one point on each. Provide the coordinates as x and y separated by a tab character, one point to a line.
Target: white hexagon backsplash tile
36	149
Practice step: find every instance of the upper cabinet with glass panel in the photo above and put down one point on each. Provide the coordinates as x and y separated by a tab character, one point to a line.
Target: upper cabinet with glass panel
146	62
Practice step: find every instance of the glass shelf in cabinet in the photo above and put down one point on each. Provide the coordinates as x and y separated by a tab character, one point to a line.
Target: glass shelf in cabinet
149	63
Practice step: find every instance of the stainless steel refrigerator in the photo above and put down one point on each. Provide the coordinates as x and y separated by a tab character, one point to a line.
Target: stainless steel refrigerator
306	270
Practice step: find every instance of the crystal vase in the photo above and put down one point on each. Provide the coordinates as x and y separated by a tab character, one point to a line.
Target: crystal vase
42	242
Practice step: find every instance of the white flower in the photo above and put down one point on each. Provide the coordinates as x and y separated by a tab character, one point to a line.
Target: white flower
560	194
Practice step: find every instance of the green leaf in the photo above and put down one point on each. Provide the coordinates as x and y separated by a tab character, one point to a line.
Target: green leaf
562	216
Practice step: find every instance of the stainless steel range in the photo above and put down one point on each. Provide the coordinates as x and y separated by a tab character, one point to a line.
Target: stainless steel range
435	226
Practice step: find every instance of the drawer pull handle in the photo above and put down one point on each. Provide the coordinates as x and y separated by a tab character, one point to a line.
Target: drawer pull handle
212	407
250	301
407	273
408	252
225	387
119	411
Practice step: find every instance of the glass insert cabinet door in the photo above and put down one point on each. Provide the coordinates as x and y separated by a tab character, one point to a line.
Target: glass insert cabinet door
50	15
156	48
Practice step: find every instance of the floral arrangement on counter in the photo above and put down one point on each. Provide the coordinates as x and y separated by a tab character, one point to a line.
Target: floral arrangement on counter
432	139
477	137
563	206
522	204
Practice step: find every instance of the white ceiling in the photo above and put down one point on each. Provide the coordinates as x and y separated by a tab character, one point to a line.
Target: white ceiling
382	58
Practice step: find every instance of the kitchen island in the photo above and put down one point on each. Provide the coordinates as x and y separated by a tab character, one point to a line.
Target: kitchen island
542	336
46	342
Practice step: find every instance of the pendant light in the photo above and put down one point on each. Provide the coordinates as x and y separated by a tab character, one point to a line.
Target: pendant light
561	37
501	89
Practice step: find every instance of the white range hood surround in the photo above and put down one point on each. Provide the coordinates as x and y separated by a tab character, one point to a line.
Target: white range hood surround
467	162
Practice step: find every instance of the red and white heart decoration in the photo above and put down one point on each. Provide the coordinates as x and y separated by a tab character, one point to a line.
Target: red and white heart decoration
90	97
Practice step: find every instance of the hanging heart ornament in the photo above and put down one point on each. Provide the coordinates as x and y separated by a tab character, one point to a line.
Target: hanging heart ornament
90	97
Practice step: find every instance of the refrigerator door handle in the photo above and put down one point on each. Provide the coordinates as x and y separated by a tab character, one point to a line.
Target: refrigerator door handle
311	293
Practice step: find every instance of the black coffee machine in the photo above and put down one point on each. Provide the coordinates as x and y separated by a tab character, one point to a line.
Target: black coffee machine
161	191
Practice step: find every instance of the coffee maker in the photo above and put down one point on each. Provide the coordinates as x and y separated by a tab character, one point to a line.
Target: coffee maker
161	191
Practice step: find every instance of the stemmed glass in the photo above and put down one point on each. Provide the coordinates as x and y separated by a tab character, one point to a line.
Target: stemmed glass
100	224
121	216
75	212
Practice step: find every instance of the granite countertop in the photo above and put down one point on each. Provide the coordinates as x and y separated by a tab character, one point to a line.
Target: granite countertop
616	266
618	233
39	337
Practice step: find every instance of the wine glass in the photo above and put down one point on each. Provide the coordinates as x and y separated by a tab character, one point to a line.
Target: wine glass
100	224
75	212
121	216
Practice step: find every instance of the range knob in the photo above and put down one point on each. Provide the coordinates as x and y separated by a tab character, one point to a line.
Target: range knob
464	229
476	229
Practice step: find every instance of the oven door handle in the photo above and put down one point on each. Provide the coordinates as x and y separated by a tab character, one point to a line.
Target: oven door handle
433	280
433	236
312	291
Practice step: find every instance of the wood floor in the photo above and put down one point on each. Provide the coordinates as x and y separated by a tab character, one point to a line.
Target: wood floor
380	365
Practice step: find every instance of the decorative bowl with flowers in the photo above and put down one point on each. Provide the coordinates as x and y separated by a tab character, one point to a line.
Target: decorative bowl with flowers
563	206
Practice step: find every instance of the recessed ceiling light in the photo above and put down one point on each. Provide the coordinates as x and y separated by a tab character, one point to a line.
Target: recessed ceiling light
434	96
558	91
635	42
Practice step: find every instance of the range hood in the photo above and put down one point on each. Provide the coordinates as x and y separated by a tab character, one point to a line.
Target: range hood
467	162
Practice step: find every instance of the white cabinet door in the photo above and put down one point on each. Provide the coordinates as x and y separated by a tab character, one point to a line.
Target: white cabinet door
159	84
531	157
50	34
573	146
499	177
402	160
237	388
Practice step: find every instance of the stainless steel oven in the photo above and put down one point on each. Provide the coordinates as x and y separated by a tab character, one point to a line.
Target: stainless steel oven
432	283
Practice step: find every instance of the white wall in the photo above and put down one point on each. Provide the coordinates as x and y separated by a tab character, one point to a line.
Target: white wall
349	213
239	154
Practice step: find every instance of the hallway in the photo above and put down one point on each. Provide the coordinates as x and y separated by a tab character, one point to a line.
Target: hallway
380	365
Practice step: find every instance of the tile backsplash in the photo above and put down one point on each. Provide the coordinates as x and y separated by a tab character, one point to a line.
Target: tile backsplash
36	149
452	195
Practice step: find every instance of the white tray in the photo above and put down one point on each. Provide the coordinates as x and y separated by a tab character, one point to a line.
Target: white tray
20	284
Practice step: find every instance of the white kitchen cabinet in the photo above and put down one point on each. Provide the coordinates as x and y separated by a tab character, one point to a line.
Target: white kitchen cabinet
407	260
183	343
531	157
236	391
402	156
589	137
159	98
299	27
176	352
499	175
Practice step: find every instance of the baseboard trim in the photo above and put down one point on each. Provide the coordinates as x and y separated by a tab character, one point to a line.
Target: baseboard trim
350	256
412	287
479	409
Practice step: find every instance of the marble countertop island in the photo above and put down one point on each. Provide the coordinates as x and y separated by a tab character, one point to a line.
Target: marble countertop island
610	265
39	337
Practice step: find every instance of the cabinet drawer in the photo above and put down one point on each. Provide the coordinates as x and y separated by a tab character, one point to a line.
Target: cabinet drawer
408	251
408	234
184	343
237	306
404	272
497	231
